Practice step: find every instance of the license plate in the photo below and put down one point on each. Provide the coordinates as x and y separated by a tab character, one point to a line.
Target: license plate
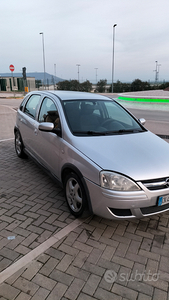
163	200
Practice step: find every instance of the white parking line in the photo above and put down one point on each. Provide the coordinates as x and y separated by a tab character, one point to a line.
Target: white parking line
7	140
25	260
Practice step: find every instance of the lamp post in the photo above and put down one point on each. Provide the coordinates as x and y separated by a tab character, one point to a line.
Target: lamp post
113	55
43	57
96	74
78	70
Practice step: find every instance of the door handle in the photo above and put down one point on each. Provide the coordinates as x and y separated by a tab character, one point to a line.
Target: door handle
35	131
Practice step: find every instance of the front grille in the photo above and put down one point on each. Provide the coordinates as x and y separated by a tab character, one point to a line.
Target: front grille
153	209
156	184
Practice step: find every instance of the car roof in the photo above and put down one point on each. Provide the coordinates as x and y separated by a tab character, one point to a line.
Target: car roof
71	95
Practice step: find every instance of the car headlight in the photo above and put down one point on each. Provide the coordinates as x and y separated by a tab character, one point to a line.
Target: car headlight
117	182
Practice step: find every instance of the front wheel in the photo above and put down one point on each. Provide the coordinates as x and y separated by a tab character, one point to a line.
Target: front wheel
75	194
19	145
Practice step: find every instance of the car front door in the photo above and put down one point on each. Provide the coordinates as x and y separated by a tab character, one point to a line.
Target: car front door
48	144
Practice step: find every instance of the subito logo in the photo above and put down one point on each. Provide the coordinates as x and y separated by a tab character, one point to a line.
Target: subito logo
110	276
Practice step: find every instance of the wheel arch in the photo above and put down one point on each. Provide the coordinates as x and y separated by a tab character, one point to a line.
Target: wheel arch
68	168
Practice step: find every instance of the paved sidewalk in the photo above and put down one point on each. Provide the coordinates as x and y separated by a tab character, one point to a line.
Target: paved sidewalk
46	254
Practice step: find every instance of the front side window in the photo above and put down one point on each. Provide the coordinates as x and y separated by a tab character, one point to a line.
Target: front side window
31	105
49	113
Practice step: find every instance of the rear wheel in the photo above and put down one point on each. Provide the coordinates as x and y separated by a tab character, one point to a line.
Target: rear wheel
19	145
75	194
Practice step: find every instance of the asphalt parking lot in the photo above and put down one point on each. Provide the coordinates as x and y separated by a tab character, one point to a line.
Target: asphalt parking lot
45	253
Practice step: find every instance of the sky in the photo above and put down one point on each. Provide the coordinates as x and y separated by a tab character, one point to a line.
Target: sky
81	32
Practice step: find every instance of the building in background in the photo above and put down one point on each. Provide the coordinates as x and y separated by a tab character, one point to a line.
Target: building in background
16	83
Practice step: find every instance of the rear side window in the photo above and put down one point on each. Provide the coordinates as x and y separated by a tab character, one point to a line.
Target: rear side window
31	105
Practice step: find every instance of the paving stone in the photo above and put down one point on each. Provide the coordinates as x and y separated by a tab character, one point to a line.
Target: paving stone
22	249
134	247
96	244
55	253
148	254
142	296
123	261
70	239
8	292
77	272
109	242
4	263
26	286
140	287
121	249
64	263
124	291
23	296
74	290
91	284
32	270
8	253
49	266
103	294
94	256
108	253
159	294
82	247
108	232
80	259
70	250
61	277
138	258
44	281
83	296
58	292
93	268
108	265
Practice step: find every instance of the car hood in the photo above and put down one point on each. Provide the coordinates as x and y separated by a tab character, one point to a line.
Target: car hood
140	156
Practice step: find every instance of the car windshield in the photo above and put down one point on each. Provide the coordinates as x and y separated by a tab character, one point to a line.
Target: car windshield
99	117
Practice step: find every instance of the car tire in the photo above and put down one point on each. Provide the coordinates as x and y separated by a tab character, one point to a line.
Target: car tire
75	194
19	145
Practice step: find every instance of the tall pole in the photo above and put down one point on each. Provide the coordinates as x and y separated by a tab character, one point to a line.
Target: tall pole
78	70
113	55
43	57
96	74
55	75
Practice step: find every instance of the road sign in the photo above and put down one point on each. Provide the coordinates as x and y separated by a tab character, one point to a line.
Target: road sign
11	68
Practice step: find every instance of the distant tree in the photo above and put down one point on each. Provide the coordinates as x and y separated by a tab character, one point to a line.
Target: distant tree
63	85
120	87
86	86
74	85
138	85
101	86
163	86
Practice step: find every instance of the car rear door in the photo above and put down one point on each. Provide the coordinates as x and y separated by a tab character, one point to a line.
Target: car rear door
27	122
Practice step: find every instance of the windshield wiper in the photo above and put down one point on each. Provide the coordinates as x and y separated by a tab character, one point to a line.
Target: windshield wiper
116	132
129	130
90	132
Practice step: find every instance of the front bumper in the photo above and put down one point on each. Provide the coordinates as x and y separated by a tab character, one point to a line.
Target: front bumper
111	204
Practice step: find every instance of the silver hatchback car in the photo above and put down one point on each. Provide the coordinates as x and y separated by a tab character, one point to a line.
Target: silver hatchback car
104	158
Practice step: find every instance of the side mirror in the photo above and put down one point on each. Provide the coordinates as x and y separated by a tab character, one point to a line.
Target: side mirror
142	121
46	126
49	127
